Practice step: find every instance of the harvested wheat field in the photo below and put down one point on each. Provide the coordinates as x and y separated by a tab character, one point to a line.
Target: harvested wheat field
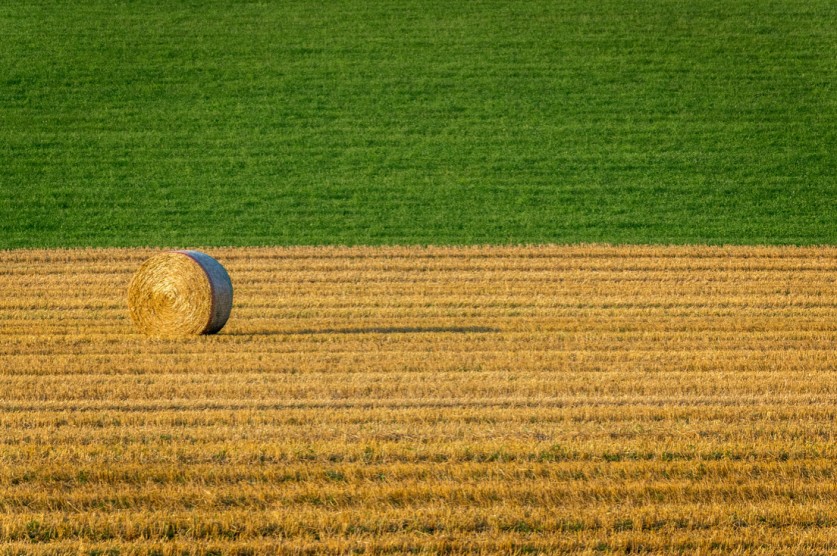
433	400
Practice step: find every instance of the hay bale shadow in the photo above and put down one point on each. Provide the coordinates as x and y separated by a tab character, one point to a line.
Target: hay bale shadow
374	330
401	330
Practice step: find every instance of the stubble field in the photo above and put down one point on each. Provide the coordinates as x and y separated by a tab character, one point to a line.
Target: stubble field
455	400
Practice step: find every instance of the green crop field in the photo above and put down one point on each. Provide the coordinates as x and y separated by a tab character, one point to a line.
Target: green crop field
281	123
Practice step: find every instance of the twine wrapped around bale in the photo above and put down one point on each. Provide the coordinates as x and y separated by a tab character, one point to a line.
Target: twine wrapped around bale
180	293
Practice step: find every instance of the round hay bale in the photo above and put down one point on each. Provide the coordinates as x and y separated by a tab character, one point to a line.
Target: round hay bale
180	293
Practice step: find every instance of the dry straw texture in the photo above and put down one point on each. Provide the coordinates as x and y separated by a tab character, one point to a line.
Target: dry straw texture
403	400
181	293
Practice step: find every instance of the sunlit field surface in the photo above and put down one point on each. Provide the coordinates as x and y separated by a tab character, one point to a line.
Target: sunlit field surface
454	400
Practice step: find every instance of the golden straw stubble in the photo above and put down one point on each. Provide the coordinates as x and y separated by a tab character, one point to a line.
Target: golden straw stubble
180	293
457	400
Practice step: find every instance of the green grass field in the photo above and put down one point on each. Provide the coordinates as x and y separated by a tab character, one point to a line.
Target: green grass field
227	123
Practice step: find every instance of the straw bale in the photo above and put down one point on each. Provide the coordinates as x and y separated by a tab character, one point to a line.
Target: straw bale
180	293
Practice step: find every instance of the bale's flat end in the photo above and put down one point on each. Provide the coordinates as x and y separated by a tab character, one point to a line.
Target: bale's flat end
180	293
